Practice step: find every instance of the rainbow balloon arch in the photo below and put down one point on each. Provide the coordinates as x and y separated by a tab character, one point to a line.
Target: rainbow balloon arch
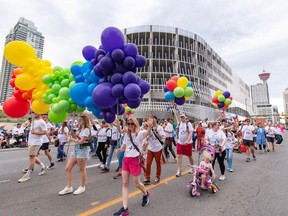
104	84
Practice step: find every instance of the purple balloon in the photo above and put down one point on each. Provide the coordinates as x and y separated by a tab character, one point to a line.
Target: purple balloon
93	61
99	52
226	94
116	78
129	77
118	90
110	120
102	80
102	114
106	63
98	70
165	89
122	101
100	57
130	49
220	105
129	62
180	101
140	61
88	52
119	69
117	109
134	103
103	97
109	114
132	91
144	86
112	38
118	55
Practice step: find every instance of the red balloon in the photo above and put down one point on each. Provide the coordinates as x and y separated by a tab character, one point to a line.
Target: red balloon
215	100
17	94
12	83
175	78
171	85
15	107
231	98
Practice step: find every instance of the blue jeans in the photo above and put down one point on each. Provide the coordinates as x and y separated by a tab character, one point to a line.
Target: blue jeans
94	144
61	152
112	148
120	159
229	156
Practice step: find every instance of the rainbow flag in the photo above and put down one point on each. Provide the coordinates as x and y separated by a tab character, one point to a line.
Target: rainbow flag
214	186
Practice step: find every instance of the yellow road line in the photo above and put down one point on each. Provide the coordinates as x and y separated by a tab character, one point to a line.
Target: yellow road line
119	199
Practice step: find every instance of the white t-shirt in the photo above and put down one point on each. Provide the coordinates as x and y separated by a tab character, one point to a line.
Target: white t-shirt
230	140
93	132
130	151
113	133
103	134
38	125
204	124
63	136
248	132
84	133
45	137
271	131
18	130
216	138
184	131
153	143
168	128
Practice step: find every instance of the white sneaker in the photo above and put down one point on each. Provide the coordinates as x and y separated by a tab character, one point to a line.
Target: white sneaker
42	171
79	190
24	178
222	177
66	190
178	174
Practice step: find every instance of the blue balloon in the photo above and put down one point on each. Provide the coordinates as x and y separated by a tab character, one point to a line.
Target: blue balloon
93	77
78	93
79	79
76	70
96	112
169	96
189	84
89	102
91	87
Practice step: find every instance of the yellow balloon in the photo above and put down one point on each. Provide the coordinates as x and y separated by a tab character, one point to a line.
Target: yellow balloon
218	93
187	98
25	81
182	82
215	105
39	107
18	52
47	63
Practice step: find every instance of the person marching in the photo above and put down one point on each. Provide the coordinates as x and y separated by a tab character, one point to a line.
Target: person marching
261	137
132	145
229	145
38	129
62	136
271	132
79	155
103	144
154	151
184	144
248	131
169	139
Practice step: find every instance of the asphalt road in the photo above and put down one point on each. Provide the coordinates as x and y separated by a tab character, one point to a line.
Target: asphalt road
255	188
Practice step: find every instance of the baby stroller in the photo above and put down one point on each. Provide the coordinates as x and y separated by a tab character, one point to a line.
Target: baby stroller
196	182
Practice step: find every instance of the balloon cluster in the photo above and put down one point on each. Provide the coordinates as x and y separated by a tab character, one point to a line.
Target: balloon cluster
178	89
26	80
58	94
222	100
129	110
108	80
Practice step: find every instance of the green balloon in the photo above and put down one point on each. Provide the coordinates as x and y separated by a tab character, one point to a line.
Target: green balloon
48	91
55	100
46	79
57	82
57	118
71	101
179	92
61	78
50	85
228	101
57	68
56	88
53	77
73	107
51	98
72	84
221	98
65	83
56	108
64	93
64	105
80	109
133	111
71	77
188	92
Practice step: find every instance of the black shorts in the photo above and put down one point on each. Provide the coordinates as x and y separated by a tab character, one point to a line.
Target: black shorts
248	142
270	139
44	146
254	139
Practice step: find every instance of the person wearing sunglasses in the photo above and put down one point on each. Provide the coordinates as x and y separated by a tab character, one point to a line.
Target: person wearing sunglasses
132	145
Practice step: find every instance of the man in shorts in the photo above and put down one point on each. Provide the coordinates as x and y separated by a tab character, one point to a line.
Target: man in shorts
184	144
38	129
248	131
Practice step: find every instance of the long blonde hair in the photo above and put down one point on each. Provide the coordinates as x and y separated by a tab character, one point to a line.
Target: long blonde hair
86	124
136	123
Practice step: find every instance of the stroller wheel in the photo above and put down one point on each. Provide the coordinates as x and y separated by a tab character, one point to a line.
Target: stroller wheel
192	191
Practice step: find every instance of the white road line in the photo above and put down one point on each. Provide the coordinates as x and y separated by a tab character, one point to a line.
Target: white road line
95	165
3	181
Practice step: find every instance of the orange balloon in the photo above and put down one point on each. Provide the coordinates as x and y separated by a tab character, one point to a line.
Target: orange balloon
17	71
226	106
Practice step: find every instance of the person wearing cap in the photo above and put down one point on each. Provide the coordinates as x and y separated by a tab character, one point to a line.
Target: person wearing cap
154	151
169	138
184	145
247	131
18	133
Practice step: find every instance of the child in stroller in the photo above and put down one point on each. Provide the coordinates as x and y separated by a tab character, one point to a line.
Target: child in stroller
202	174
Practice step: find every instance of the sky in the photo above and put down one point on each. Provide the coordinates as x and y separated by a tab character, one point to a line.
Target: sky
248	35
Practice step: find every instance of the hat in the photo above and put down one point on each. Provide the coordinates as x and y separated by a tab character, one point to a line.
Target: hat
103	122
154	116
182	114
71	120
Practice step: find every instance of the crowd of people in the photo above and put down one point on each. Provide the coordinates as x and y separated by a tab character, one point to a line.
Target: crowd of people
138	145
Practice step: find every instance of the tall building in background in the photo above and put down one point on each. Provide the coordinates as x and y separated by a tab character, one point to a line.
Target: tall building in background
24	30
285	102
260	98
